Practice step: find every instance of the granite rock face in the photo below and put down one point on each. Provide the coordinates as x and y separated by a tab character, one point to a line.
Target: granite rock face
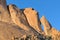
24	24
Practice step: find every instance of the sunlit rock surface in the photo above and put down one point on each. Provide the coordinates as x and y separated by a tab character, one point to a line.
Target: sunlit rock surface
24	24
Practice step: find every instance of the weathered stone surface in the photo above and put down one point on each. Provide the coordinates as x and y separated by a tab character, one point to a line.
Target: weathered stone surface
55	34
4	14
33	19
19	19
3	3
24	24
46	25
7	31
49	30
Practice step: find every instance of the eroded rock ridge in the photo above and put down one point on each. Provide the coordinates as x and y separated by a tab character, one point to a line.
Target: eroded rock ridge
24	24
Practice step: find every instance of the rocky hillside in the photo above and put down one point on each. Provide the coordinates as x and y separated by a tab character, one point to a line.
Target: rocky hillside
24	24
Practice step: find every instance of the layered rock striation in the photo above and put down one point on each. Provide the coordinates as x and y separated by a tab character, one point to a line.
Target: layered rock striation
24	24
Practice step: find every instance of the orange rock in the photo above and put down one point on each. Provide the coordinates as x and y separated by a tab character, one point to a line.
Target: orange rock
19	19
49	30
24	24
55	34
33	19
10	31
46	25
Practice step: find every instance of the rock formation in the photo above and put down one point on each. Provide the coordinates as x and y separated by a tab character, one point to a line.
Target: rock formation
46	24
4	14
24	24
32	17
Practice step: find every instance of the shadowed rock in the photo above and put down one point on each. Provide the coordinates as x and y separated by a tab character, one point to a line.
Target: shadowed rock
24	24
9	31
4	14
19	19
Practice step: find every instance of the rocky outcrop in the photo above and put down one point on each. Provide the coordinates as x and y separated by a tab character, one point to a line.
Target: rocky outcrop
32	17
46	24
4	14
19	19
24	24
49	30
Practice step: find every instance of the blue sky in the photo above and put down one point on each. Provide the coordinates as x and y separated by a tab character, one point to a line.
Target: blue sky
49	8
